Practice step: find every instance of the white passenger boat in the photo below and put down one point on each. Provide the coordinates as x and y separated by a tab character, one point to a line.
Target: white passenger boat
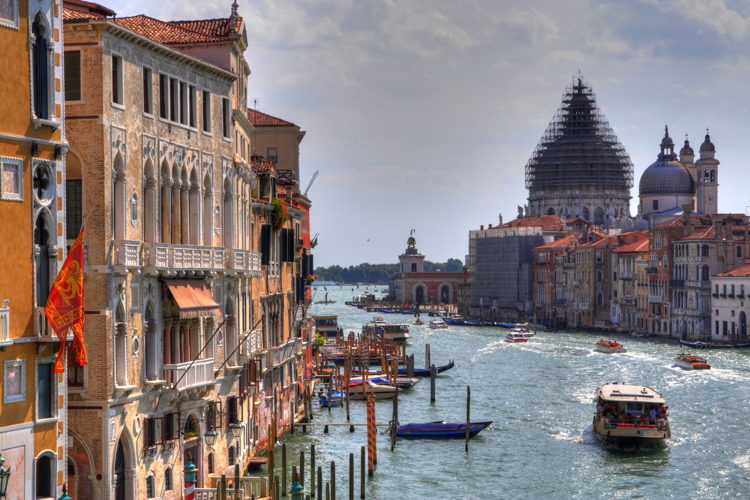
516	337
526	332
631	416
327	326
437	324
398	332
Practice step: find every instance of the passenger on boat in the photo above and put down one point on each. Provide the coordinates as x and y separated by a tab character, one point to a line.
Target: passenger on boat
652	416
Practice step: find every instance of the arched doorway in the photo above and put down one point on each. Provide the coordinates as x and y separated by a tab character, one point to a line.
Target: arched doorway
119	473
445	294
743	324
419	295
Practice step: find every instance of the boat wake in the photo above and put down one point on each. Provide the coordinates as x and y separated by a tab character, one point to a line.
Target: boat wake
488	349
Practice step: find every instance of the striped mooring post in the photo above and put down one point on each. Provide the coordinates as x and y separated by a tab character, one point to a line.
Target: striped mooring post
191	472
372	432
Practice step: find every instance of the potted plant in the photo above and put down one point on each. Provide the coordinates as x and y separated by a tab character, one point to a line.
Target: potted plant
279	213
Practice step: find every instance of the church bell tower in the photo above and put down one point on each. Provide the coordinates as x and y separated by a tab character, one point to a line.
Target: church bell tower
707	185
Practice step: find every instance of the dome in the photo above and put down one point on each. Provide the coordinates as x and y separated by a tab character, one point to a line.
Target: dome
666	142
708	146
686	149
666	176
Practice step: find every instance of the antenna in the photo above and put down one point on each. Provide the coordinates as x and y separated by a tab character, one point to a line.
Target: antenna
315	174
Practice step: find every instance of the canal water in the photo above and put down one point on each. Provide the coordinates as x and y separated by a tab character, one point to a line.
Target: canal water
540	397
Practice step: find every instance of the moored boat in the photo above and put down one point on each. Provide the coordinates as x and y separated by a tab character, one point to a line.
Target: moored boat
691	362
403	383
440	430
425	372
398	332
610	346
631	415
361	390
516	337
437	324
712	345
335	400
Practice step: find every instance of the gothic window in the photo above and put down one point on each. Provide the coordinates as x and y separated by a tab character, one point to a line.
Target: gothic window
45	476
151	344
194	210
176	209
121	346
134	209
166	204
228	215
185	209
207	204
149	203
150	487
118	198
41	67
168	479
44	252
586	214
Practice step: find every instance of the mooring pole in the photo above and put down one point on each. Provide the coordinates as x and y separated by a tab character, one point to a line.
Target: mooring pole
351	476
433	376
362	472
333	480
312	470
468	415
320	482
283	469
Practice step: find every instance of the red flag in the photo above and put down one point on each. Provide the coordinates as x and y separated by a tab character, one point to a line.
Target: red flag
64	307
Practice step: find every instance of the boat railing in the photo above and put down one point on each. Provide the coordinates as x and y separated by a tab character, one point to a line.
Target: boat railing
610	423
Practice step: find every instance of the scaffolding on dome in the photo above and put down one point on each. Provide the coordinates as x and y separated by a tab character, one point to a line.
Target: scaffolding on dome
579	149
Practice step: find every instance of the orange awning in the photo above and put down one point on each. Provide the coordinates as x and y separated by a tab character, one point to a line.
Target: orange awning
193	298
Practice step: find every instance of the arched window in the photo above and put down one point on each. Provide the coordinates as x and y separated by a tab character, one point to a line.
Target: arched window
599	216
150	487
445	294
121	346
40	67
149	203
228	229
176	207
230	455
195	210
230	332
118	198
207	208
586	214
42	246
598	276
166	204
419	295
185	209
550	211
168	479
45	476
704	251
151	344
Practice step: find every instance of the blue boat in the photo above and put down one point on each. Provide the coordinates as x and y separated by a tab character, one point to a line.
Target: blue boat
389	311
440	430
409	311
425	372
336	399
471	322
711	345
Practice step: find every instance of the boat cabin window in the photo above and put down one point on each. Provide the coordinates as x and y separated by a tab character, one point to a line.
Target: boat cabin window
635	409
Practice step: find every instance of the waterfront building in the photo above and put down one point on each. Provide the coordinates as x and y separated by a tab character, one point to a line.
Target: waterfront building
719	245
501	267
191	258
579	168
550	278
33	148
413	285
730	291
278	141
628	263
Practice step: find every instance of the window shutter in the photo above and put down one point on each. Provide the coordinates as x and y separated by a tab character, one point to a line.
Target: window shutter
291	245
306	266
265	244
253	372
240	406
148	429
282	245
158	434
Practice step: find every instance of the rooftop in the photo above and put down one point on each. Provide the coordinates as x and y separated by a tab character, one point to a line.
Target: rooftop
546	222
260	119
183	32
737	272
564	242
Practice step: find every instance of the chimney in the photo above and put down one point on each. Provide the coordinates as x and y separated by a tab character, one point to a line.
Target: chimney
481	228
489	226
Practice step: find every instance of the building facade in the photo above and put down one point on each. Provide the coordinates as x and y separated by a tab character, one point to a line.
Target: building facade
33	423
729	305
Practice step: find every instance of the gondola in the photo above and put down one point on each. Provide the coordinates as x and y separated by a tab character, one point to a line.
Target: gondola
440	430
711	345
425	372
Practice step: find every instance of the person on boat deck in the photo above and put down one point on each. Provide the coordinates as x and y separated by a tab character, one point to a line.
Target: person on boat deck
652	415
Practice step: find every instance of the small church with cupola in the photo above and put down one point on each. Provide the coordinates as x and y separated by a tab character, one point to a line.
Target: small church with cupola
412	285
675	184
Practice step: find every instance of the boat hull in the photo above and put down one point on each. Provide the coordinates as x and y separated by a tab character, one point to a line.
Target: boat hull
708	345
436	431
425	372
631	435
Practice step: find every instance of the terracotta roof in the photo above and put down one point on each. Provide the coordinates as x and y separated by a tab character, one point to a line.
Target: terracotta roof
181	32
703	233
737	272
262	166
260	119
637	246
564	242
680	221
546	222
80	9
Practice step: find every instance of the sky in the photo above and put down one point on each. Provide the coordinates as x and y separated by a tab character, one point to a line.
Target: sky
421	114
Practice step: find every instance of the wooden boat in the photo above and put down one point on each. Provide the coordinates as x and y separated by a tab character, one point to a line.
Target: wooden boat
631	416
610	346
516	337
691	362
440	430
437	324
336	399
425	372
403	383
362	390
711	345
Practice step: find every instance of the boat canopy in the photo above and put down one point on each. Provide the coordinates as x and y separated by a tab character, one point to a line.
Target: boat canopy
630	393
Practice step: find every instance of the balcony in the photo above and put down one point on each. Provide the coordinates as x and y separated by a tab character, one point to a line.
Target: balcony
677	283
274	269
627	275
196	257
126	254
277	355
156	255
183	376
42	329
252	345
244	261
655	299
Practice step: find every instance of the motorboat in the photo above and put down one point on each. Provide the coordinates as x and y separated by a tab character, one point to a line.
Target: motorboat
327	326
418	321
398	332
403	383
691	362
712	345
516	337
425	372
610	346
526	332
631	416
440	430
362	390
436	324
335	400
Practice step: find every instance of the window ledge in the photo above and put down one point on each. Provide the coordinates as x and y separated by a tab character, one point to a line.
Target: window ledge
155	383
43	421
119	106
38	122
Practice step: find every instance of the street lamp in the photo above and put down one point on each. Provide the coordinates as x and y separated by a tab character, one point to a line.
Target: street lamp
210	437
236	430
4	477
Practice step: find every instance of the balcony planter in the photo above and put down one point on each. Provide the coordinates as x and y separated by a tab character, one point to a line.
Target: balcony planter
279	213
